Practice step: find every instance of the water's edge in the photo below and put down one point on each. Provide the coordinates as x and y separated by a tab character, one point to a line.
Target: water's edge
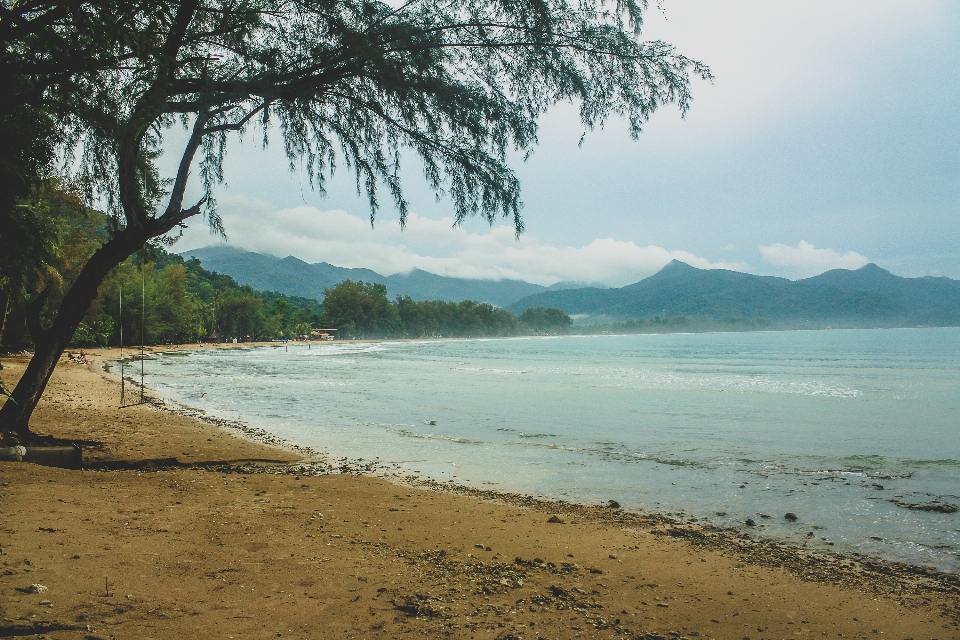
852	570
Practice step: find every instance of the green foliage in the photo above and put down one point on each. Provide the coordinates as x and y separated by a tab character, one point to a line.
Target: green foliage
439	319
544	320
27	244
95	331
43	245
182	302
360	309
53	236
27	139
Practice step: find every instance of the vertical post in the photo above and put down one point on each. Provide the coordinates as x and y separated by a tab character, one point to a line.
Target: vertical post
122	383
143	306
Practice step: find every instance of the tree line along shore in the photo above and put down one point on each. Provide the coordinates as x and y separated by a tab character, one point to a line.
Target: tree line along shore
159	297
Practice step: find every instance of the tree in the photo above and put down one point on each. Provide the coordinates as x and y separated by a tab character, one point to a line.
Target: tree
45	238
26	246
46	47
460	84
546	320
26	153
359	309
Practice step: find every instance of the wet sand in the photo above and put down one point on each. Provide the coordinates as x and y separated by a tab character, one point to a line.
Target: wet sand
178	528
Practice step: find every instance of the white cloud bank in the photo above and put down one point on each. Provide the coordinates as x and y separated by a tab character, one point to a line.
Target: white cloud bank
806	260
435	246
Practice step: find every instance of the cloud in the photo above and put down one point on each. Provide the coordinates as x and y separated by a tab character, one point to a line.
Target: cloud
434	245
772	59
806	260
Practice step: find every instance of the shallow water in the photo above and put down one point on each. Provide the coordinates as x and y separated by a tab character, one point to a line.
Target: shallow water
842	428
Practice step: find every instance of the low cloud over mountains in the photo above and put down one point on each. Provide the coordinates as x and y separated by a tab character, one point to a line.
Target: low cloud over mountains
477	252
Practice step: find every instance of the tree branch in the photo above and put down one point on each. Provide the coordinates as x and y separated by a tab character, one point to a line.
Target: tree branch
148	108
183	171
169	220
236	126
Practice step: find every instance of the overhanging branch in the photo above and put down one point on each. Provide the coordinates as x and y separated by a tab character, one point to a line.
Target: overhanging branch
236	126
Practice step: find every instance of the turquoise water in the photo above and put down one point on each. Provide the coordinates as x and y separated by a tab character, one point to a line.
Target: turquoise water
846	429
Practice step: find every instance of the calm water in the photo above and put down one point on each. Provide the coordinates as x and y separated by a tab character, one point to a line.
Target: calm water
837	427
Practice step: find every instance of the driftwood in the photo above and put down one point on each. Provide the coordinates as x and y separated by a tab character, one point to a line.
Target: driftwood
67	457
34	628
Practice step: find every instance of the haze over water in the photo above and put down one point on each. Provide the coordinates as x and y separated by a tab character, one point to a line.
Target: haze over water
845	429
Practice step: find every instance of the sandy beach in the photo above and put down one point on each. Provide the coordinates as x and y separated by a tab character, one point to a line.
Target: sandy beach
179	528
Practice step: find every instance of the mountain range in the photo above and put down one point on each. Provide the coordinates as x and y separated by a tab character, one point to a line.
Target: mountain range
866	297
293	276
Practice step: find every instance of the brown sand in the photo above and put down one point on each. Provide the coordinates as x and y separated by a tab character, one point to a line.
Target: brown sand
227	542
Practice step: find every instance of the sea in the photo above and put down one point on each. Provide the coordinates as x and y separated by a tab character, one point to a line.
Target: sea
855	432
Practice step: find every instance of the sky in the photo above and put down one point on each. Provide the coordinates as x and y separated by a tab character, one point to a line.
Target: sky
829	138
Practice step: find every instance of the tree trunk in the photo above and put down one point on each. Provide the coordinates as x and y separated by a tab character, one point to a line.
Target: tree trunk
50	343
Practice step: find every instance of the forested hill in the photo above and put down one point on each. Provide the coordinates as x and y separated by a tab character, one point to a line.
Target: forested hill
293	276
866	297
930	296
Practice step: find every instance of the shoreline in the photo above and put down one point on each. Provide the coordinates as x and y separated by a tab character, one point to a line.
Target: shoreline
835	567
396	472
849	569
185	347
616	580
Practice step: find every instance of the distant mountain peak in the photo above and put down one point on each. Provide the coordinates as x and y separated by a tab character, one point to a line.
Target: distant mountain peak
564	285
676	268
294	260
678	264
293	276
868	275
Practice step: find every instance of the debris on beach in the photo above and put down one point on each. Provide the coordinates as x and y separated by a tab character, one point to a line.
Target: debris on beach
933	507
34	588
